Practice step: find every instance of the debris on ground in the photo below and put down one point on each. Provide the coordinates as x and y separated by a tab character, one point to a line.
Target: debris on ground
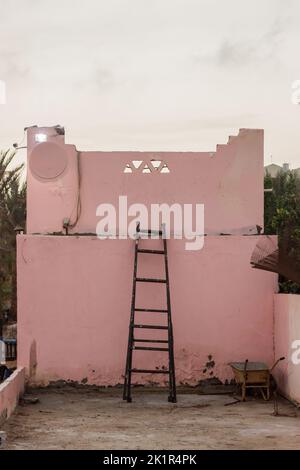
28	400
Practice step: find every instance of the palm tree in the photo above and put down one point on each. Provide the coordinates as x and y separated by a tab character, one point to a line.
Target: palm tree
12	214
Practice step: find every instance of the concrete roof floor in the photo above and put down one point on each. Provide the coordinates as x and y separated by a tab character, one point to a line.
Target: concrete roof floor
69	418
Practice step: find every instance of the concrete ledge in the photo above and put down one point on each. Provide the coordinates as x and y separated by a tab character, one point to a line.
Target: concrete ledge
10	391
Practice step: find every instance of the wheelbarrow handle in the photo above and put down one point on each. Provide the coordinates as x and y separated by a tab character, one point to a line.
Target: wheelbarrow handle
275	364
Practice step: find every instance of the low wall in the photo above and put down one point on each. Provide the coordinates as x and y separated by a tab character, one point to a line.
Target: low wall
10	391
74	296
287	343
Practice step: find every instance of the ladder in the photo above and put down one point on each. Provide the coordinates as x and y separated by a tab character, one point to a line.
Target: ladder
134	344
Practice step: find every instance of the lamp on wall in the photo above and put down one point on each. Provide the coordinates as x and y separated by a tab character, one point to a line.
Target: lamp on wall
40	138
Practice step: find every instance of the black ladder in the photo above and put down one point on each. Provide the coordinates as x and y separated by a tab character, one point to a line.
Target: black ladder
169	343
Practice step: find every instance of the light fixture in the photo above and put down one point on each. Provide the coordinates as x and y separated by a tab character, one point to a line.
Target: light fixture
41	138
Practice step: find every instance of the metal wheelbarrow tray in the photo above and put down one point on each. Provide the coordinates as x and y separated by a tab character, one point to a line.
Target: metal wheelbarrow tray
253	375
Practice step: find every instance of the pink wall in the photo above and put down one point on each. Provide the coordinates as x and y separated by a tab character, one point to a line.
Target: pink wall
74	298
74	293
287	330
229	181
10	392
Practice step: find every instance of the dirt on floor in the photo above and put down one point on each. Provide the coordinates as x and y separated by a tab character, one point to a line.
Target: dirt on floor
99	419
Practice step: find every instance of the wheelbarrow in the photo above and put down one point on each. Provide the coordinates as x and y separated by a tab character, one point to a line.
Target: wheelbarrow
253	375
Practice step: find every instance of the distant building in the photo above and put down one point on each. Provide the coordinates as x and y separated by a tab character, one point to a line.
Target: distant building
273	170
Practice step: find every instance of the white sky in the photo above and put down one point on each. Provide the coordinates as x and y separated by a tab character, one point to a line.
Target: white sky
152	74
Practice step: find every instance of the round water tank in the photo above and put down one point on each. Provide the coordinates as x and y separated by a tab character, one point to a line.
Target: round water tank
48	160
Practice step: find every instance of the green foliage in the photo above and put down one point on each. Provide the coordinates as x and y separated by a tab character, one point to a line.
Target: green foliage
282	217
12	214
270	206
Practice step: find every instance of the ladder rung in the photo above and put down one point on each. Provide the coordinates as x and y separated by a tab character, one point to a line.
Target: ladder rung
140	340
145	348
154	310
151	252
151	327
146	279
149	371
150	232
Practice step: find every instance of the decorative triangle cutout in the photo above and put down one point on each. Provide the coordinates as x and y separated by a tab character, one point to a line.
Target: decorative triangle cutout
156	164
165	169
146	169
127	169
137	163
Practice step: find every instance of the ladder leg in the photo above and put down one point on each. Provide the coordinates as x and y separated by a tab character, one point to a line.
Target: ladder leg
127	385
172	380
127	380
173	369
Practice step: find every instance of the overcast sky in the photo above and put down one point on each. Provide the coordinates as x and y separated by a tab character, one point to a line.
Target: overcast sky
152	74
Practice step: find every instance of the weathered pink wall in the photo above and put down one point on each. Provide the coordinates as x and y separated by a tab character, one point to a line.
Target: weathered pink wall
10	392
74	293
74	298
228	181
287	330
